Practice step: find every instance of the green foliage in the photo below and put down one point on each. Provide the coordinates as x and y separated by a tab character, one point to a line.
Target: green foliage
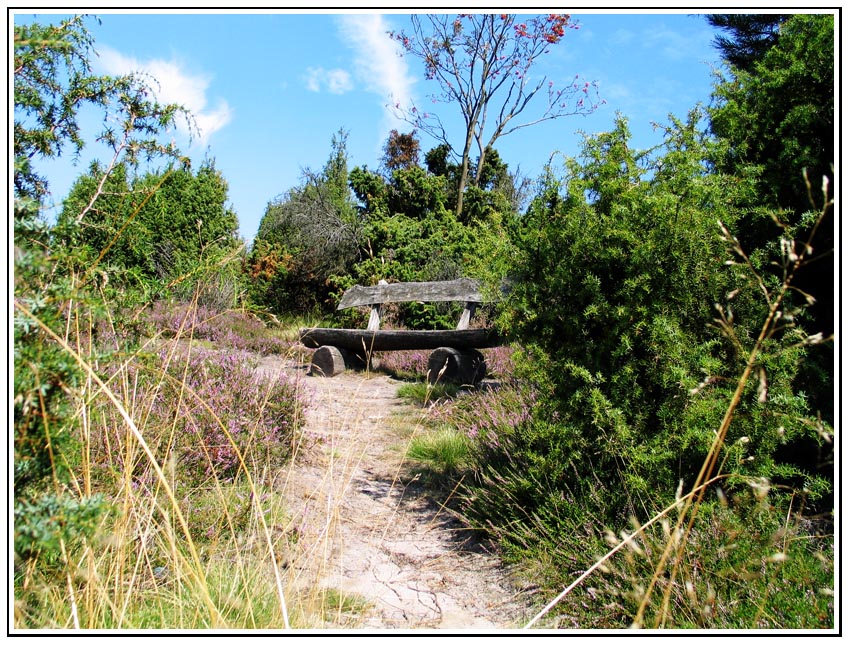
45	108
437	161
44	374
533	485
410	235
605	287
776	116
305	239
615	274
750	36
779	116
53	82
50	524
319	239
409	249
158	227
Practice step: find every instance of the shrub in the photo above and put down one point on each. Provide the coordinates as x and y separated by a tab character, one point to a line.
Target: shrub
641	348
205	412
605	276
404	364
233	329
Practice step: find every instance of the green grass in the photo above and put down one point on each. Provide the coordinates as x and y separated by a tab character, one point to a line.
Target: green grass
422	393
442	453
734	572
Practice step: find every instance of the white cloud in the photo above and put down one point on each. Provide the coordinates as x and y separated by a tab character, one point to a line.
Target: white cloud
673	45
313	79
336	81
173	84
377	61
617	91
621	37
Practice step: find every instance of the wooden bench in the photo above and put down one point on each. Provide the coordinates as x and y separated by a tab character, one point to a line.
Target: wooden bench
454	357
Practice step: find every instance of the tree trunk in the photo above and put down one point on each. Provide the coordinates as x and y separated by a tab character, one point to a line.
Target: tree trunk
464	172
461	186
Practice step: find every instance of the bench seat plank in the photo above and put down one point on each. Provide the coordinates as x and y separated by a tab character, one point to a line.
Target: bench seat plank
359	340
462	290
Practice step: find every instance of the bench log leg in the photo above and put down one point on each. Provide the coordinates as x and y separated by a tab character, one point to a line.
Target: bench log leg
327	361
331	361
450	365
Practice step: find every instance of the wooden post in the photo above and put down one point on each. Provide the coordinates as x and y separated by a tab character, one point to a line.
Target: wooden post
375	314
466	316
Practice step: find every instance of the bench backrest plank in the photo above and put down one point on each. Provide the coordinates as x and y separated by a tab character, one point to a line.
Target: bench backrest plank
462	290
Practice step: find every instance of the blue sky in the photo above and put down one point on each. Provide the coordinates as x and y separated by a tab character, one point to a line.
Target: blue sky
269	89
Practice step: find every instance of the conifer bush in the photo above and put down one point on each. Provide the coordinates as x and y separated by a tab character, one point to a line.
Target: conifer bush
640	312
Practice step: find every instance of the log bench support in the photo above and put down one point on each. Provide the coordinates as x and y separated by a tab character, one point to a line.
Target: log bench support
451	365
454	358
329	360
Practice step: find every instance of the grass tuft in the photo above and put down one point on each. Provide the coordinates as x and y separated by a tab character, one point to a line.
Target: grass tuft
443	452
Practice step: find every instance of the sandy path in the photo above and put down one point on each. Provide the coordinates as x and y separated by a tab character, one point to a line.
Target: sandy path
366	530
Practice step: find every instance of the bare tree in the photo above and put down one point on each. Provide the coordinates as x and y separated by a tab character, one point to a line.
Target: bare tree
482	63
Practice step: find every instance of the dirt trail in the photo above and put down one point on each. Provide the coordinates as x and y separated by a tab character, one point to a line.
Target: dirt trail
368	531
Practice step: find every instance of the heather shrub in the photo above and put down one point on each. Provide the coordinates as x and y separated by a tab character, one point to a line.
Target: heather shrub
234	329
404	364
500	361
485	413
207	414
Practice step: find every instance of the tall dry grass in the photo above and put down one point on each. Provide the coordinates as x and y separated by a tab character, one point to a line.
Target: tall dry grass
185	445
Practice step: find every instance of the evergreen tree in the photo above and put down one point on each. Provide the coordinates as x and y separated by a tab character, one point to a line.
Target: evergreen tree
750	36
777	117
